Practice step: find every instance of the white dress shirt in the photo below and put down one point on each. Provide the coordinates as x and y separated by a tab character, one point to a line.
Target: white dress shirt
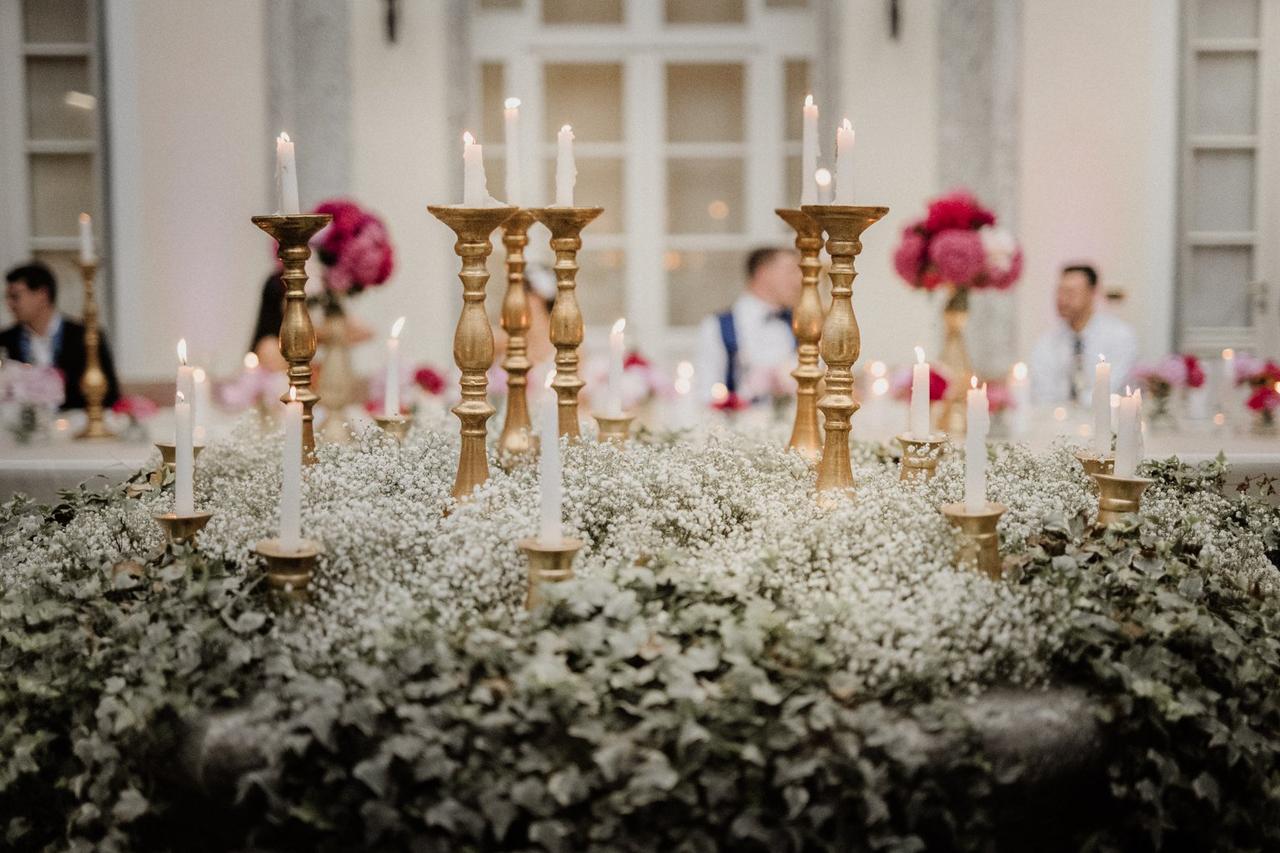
40	347
1055	365
766	349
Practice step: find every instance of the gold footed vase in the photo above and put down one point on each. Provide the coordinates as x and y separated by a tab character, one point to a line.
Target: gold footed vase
952	414
547	564
473	339
516	439
841	341
806	323
920	456
1119	497
293	233
337	384
566	224
977	542
93	383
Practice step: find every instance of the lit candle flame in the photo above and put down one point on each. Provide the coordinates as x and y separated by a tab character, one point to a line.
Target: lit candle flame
1101	358
250	361
846	125
84	219
1020	371
1228	353
182	351
973	382
919	355
181	398
396	327
467	138
618	326
284	137
823	177
512	103
808	100
567	129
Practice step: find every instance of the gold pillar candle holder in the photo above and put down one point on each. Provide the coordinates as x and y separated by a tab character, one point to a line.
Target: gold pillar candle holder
182	528
920	456
977	542
614	429
1119	496
473	338
547	564
396	426
841	341
566	224
168	460
516	438
289	570
293	233
93	383
1095	464
806	323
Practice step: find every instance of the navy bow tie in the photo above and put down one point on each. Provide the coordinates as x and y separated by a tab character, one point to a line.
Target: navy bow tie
783	314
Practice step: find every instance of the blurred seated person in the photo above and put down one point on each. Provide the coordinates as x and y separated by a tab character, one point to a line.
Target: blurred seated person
750	347
1062	362
266	330
43	337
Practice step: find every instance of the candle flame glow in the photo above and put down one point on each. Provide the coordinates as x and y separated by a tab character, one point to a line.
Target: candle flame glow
808	100
293	394
568	128
846	125
181	398
396	327
467	138
1020	370
283	137
684	370
919	355
512	103
973	382
199	375
1060	414
823	177
1101	358
1228	353
618	326
250	361
84	219
877	368
182	351
719	392
880	387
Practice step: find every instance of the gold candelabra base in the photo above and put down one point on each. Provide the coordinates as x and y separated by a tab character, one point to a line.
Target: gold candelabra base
1119	496
806	324
396	426
182	528
514	441
96	428
920	456
168	461
614	429
289	570
977	542
1095	464
93	382
548	563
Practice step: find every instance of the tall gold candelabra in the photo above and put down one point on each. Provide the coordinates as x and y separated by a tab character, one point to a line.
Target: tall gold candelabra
841	340
806	322
292	233
473	339
566	224
93	384
516	438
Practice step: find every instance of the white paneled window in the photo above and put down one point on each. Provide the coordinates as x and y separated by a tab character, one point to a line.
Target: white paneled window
50	136
687	122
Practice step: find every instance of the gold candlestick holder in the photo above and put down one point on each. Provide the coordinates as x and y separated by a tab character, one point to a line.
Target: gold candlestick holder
473	339
841	341
293	233
1119	496
1095	464
920	456
566	224
977	542
547	564
516	438
614	429
806	323
168	461
289	570
182	528
93	383
396	426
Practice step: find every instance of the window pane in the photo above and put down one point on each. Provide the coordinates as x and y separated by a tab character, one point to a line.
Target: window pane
61	189
701	283
705	196
1222	188
59	105
582	11
704	103
1218	293
796	73
1226	93
1227	19
46	21
589	97
66	270
599	185
493	95
602	286
706	11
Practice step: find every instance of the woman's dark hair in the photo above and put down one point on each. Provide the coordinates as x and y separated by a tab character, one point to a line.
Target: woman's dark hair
36	276
270	311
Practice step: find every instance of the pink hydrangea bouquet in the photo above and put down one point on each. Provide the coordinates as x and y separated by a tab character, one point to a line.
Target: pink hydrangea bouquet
958	245
1163	377
640	382
34	392
354	248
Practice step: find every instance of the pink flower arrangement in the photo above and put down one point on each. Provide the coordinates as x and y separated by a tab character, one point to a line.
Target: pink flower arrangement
1263	377
957	244
421	380
1174	371
355	248
429	380
640	382
40	387
135	406
252	387
900	384
998	397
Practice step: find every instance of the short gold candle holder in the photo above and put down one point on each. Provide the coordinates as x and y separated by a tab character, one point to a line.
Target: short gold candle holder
614	429
1095	464
168	460
289	570
977	542
566	224
396	426
841	341
1119	496
806	323
182	528
516	438
473	339
548	563
93	382
920	456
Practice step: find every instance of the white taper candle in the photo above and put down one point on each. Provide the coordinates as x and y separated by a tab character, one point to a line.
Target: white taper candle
550	489
291	470
286	175
511	128
566	168
1102	407
809	153
184	459
918	425
844	163
391	393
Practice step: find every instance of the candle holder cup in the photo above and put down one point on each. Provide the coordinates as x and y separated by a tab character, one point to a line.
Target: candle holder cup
920	456
1095	464
396	426
806	323
548	563
289	570
168	461
93	382
841	342
516	438
473	339
977	541
293	233
566	224
614	429
179	529
1119	497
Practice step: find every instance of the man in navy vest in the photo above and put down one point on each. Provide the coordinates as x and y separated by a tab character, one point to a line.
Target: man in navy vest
749	349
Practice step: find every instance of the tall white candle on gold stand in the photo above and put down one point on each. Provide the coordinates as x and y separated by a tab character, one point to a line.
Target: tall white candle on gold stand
291	469
844	163
184	459
975	448
86	239
511	128
1020	397
566	168
809	152
475	189
617	354
919	420
1102	407
286	175
1127	435
550	489
391	395
185	384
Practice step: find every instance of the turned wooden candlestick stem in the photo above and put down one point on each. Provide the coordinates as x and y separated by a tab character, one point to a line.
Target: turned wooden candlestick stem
516	438
806	323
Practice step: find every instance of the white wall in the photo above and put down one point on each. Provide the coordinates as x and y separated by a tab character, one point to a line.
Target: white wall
1098	162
